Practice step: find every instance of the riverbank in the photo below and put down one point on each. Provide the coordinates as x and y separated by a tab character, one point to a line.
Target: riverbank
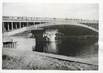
29	60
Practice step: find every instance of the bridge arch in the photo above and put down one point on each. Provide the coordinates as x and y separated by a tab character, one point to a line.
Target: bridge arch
49	25
66	24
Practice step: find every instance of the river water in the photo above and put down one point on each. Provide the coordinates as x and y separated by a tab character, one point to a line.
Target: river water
75	46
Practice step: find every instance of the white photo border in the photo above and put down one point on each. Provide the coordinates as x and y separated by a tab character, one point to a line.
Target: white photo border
58	1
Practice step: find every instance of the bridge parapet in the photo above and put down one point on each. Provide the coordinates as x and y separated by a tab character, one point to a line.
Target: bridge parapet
24	19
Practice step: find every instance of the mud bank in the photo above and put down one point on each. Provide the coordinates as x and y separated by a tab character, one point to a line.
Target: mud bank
28	60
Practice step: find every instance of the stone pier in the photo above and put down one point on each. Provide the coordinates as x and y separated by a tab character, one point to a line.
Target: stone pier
51	35
42	38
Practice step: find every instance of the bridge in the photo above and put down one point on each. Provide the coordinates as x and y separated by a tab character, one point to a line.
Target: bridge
13	26
47	27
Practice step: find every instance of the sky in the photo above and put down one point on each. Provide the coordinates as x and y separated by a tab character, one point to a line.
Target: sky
53	10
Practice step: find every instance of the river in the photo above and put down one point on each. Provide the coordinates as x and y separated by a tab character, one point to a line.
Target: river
75	46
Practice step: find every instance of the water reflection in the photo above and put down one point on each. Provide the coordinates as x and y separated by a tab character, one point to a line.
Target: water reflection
51	47
70	46
48	47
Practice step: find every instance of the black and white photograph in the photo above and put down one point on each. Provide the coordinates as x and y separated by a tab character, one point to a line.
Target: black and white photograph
50	36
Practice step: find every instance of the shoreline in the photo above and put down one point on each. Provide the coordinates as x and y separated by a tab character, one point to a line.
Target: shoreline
36	60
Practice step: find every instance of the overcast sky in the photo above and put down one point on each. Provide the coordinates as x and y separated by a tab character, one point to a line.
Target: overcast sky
84	11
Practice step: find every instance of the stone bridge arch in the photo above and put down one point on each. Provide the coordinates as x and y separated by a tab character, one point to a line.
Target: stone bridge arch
67	24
